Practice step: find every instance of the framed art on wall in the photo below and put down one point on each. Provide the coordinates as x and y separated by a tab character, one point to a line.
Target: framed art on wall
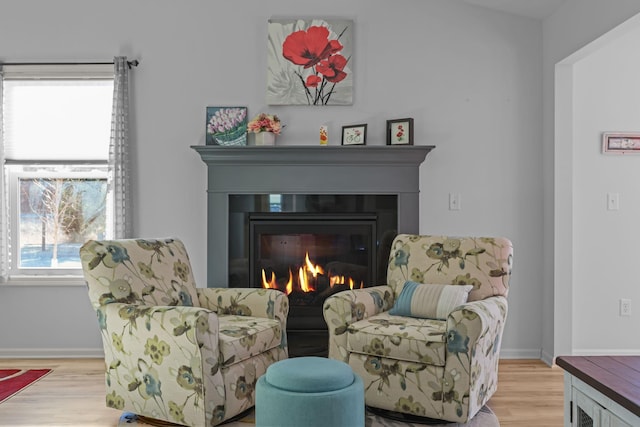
400	132
226	126
354	135
621	142
308	62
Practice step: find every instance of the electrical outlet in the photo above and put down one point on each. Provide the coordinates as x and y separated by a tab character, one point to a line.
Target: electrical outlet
625	307
454	201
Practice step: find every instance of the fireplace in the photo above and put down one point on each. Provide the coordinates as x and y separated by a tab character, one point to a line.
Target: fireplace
310	257
307	209
309	246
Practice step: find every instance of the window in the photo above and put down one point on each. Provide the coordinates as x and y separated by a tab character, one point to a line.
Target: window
56	124
275	202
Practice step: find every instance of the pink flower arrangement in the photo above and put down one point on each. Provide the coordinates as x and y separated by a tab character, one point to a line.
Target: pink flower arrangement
265	123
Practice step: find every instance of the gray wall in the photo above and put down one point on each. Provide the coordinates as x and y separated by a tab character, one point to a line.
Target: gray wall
471	78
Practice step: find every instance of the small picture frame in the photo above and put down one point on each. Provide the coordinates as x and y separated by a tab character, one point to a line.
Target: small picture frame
226	126
621	142
354	135
400	132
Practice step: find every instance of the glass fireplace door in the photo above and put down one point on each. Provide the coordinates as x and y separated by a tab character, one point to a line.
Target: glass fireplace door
310	257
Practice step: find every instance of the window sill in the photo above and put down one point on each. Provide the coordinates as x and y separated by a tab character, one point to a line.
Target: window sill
45	281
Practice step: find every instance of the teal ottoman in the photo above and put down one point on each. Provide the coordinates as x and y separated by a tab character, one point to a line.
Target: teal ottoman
309	392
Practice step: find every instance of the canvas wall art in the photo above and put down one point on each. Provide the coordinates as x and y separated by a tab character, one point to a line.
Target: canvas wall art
309	62
226	126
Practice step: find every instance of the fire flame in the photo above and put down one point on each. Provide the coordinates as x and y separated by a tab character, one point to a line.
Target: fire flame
342	280
289	286
307	278
271	284
313	269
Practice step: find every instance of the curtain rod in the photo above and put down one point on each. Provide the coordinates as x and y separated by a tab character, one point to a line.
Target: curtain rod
131	64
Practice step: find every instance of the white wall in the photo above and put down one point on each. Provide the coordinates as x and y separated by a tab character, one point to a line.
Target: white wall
486	127
576	24
606	251
470	77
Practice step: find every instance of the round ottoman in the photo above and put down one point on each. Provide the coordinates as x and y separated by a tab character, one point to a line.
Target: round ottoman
309	392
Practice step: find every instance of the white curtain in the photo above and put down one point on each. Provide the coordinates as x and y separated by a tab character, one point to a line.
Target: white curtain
4	226
119	151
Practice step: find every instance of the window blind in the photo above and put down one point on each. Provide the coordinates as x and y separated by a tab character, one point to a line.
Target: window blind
64	116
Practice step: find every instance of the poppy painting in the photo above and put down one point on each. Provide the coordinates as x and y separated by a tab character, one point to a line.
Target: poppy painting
309	62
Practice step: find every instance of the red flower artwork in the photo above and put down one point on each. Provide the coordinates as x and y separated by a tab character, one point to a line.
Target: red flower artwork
332	67
309	47
312	49
313	81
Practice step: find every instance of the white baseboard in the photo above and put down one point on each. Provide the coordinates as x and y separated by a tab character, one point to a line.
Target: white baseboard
50	353
548	358
510	353
59	353
505	353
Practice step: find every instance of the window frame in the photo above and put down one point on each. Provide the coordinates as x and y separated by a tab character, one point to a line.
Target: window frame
69	171
13	171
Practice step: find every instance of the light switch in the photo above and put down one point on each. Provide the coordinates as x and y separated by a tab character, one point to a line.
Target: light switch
454	201
613	201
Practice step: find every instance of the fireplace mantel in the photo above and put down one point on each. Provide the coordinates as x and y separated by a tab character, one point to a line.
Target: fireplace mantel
314	154
304	170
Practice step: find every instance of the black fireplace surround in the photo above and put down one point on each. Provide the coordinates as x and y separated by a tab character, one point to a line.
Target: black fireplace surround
311	253
309	221
310	247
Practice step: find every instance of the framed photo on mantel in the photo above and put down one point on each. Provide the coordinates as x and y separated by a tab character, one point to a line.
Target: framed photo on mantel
400	132
354	135
226	126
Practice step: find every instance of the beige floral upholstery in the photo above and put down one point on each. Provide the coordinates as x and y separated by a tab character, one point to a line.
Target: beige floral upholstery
175	352
442	369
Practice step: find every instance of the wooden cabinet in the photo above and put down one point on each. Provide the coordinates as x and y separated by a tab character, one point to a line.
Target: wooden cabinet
585	411
601	391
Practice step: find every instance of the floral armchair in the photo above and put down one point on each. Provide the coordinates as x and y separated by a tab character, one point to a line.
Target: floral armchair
441	366
175	352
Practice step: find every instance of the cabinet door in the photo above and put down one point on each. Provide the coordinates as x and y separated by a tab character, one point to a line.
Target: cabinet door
586	412
610	420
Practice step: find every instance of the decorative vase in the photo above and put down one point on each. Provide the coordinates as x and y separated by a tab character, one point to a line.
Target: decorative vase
265	138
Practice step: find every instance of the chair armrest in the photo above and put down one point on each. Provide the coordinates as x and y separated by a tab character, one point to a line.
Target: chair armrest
474	332
154	349
343	308
256	302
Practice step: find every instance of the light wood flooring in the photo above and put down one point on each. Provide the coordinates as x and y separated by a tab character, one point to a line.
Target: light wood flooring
529	394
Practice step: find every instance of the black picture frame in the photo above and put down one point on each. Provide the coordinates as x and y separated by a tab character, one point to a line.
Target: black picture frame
354	134
216	116
400	131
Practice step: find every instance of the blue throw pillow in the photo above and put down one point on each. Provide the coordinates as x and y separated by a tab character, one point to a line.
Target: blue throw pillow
428	301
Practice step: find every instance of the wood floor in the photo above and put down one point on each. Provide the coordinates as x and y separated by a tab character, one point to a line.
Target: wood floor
529	394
